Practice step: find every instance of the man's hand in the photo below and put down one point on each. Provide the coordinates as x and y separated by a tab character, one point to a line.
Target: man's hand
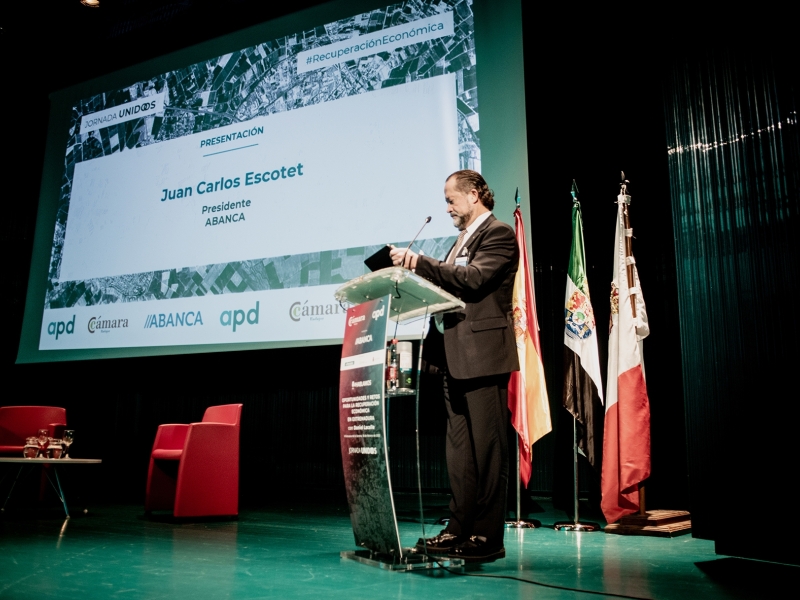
403	257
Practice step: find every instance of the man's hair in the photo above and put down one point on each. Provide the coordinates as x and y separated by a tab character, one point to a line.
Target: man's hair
468	180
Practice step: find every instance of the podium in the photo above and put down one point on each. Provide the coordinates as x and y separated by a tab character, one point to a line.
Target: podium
392	294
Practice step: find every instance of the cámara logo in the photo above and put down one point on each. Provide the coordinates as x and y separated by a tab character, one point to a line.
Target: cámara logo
314	312
58	328
355	320
181	319
236	318
105	325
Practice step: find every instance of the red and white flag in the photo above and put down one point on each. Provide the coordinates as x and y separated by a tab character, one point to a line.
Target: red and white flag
527	392
626	440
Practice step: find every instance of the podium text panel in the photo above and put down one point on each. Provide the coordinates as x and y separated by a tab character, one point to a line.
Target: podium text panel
361	427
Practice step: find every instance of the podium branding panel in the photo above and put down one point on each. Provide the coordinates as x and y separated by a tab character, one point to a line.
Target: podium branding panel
361	428
223	201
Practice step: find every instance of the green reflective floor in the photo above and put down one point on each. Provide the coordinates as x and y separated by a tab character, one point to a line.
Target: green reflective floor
292	551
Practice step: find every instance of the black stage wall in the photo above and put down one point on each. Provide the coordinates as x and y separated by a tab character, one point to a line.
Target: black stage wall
595	107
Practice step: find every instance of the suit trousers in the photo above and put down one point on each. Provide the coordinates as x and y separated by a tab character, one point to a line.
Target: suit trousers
477	455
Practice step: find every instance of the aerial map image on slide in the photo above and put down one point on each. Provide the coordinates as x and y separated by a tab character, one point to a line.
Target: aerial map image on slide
253	83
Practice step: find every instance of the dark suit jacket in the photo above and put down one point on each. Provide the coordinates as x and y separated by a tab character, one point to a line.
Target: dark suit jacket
479	340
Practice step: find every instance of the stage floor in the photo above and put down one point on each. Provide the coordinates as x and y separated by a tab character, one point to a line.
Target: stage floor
292	551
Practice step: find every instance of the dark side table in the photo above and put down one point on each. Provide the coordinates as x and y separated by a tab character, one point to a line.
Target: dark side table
56	464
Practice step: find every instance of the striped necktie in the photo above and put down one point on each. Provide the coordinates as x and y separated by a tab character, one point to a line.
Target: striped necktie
452	258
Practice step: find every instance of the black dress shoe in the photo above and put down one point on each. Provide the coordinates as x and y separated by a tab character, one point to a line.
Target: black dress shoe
477	550
443	543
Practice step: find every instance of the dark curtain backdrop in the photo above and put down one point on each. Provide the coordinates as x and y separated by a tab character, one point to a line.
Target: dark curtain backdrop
734	161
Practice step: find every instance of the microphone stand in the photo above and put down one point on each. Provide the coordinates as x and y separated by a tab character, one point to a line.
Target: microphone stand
414	239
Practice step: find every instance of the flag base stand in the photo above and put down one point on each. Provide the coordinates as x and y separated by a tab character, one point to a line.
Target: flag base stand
519	522
658	523
576	526
523	524
410	561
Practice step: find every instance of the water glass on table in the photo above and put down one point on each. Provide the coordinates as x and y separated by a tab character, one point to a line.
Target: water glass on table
54	448
41	436
31	449
66	440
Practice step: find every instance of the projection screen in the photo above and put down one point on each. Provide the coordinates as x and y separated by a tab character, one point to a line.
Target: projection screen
213	199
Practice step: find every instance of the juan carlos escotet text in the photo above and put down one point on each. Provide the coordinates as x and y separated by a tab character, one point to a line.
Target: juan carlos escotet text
229	183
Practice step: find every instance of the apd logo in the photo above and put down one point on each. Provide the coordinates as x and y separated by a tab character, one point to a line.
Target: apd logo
579	316
58	328
237	318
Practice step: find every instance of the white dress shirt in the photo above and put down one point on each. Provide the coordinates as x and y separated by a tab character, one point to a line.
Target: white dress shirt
471	229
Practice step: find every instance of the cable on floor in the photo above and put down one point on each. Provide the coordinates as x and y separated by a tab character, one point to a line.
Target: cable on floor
533	582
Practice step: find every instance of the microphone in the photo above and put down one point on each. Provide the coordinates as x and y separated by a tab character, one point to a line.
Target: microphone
411	243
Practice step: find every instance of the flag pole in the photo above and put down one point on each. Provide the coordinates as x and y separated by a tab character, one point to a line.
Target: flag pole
628	241
661	523
575	524
629	269
520	523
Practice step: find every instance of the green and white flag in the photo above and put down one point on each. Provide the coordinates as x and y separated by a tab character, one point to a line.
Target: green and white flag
583	387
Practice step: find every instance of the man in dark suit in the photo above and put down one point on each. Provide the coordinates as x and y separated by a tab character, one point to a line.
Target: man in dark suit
475	348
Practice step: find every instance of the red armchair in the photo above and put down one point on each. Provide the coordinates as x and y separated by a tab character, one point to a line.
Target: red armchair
194	469
20	422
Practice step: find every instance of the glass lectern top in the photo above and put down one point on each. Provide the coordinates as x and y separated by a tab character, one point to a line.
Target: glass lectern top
412	296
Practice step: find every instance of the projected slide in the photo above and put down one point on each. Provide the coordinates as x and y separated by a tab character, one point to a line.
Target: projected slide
225	201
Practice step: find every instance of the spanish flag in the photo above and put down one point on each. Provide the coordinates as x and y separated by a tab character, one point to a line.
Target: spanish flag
527	392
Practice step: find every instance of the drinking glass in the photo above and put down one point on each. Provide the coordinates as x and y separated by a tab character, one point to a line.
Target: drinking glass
66	440
41	437
55	448
31	449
